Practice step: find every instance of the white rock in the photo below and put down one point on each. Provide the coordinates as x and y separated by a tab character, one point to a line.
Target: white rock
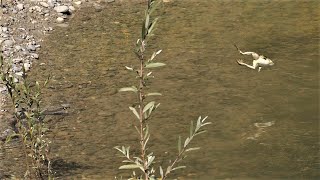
20	6
51	3
44	4
34	55
77	3
71	8
60	20
27	66
61	9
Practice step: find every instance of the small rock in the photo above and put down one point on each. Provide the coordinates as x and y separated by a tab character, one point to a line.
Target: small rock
60	20
110	1
44	4
18	48
17	60
27	66
77	3
16	68
62	9
5	29
34	55
31	47
51	3
8	43
71	8
20	7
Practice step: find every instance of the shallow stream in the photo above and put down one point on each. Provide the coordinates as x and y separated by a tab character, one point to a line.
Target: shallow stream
265	124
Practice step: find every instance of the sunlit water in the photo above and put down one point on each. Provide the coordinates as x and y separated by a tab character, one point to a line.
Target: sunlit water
87	61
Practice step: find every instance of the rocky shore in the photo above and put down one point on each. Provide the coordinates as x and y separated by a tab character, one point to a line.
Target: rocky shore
23	26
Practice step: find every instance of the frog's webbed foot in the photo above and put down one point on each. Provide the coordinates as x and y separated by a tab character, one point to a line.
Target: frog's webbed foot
240	62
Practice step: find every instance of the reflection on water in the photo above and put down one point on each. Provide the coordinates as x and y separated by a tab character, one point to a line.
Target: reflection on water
265	124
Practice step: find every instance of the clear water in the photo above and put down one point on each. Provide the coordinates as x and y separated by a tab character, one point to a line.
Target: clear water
202	77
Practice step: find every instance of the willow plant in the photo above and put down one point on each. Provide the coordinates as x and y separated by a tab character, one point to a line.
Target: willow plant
28	120
144	110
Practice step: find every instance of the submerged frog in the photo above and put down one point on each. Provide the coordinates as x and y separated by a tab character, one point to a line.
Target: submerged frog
258	60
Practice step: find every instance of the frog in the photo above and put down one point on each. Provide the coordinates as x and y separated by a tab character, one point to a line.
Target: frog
259	61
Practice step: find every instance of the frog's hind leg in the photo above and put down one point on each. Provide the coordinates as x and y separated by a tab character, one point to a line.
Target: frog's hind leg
253	54
253	66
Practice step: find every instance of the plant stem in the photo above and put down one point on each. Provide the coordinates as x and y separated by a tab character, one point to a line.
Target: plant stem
141	117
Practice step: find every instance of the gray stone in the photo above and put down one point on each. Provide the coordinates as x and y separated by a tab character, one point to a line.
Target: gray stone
8	42
61	9
31	47
16	68
18	47
34	55
17	60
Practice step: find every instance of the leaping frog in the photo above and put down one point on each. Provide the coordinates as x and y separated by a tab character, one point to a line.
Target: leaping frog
258	60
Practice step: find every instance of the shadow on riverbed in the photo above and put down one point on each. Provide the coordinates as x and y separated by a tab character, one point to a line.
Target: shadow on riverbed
63	168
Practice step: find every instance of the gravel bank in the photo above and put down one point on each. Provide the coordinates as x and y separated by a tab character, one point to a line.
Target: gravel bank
23	26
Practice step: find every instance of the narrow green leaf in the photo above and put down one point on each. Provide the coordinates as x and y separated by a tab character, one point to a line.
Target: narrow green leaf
198	126
154	65
179	144
120	150
148	106
152	25
143	31
191	128
161	172
146	141
128	152
147	21
186	142
154	6
192	149
146	132
179	167
152	57
150	160
134	111
206	124
130	166
200	132
154	94
133	89
129	68
168	170
204	119
158	52
138	159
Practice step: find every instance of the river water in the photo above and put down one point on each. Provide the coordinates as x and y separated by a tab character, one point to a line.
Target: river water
265	124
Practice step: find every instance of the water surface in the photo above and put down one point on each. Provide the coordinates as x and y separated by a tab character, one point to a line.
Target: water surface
202	77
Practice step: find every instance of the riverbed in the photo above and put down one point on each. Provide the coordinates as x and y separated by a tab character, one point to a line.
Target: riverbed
265	124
